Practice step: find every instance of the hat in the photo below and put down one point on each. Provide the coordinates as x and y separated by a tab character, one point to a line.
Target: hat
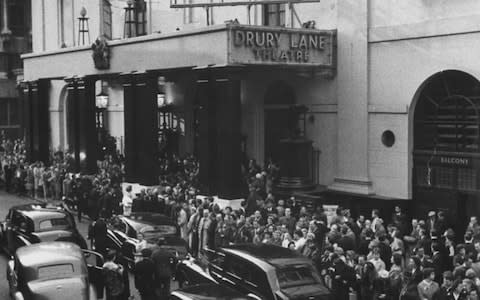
431	213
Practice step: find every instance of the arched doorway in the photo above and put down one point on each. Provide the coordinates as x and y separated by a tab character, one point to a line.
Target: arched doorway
446	141
279	99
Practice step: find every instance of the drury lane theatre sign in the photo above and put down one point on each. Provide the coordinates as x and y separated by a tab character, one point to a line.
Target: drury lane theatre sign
277	46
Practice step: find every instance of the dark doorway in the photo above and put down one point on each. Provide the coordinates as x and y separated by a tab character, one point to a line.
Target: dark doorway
447	147
279	99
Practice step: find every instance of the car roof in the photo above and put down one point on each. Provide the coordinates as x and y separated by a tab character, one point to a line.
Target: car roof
265	252
36	211
210	291
47	253
139	219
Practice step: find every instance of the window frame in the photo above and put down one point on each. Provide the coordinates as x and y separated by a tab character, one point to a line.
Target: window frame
274	14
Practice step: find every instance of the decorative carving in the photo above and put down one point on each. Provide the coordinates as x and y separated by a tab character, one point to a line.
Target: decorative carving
101	54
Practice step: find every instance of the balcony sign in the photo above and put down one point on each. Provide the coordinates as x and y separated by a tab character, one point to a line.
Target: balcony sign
281	46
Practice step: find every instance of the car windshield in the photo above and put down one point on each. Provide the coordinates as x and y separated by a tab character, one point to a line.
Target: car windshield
152	233
55	224
297	275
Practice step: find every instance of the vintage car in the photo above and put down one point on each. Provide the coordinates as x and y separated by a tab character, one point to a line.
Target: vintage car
123	234
208	292
38	222
55	270
265	271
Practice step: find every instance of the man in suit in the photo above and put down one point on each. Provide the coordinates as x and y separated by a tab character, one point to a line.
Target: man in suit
399	219
343	278
145	276
162	260
438	262
97	233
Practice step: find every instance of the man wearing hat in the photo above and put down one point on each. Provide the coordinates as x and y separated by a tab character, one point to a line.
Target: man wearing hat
145	276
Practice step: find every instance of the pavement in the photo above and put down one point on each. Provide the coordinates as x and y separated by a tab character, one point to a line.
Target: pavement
8	200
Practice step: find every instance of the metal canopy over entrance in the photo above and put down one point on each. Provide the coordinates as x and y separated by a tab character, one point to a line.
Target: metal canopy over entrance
213	3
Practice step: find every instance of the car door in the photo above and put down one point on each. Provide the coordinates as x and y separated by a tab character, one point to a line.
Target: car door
94	261
12	277
246	277
18	232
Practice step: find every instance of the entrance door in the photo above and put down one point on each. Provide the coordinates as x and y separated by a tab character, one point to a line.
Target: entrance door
447	147
278	100
276	129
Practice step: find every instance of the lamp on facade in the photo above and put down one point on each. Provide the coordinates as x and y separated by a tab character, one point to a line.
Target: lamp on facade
101	100
101	103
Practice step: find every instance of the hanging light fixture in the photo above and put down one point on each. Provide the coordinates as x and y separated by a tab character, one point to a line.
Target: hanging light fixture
161	99
101	100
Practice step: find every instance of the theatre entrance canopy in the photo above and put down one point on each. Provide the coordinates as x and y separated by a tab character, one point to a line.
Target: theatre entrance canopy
205	65
214	46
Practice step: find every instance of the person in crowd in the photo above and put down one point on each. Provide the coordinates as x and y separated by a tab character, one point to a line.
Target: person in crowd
145	275
162	260
127	201
97	234
428	287
367	281
113	277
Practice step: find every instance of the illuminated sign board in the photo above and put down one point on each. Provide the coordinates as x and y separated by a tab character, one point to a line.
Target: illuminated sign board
250	45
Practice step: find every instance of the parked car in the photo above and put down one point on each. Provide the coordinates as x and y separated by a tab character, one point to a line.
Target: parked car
55	270
38	222
207	292
123	234
266	271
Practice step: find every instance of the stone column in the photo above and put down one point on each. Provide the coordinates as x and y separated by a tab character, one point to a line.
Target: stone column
352	160
207	140
229	155
81	95
35	119
140	109
219	148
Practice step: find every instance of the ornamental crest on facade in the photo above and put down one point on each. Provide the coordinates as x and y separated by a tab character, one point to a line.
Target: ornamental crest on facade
101	54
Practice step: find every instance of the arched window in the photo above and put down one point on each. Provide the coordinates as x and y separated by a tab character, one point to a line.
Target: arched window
446	132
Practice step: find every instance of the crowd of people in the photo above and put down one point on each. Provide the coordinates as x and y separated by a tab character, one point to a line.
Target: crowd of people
57	180
404	259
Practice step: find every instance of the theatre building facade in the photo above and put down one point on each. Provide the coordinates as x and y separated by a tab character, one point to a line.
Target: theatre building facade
367	103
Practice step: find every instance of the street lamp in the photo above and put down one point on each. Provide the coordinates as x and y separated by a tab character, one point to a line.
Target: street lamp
101	103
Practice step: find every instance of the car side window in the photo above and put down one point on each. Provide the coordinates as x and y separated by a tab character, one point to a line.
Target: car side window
16	219
238	267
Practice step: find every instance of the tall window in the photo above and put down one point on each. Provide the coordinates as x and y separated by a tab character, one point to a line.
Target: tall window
135	19
274	15
141	17
107	19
